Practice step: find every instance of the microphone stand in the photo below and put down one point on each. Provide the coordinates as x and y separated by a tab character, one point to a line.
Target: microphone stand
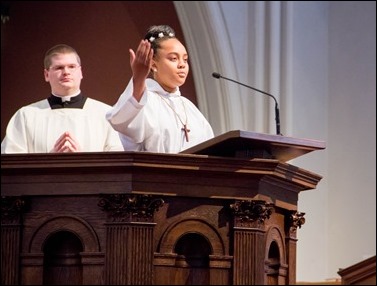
277	116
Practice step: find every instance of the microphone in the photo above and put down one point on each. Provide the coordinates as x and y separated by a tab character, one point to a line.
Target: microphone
277	117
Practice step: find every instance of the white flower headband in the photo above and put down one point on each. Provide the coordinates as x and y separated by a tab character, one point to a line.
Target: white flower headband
160	35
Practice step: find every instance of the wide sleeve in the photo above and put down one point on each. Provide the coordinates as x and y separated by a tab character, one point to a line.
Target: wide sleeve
15	140
125	109
127	117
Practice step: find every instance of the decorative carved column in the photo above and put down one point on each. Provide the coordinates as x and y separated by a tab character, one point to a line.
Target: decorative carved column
249	241
11	221
129	234
294	220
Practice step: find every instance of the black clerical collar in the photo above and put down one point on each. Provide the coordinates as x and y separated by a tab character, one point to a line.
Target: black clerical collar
75	102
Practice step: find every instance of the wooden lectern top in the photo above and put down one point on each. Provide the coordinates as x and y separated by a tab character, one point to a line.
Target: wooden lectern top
246	144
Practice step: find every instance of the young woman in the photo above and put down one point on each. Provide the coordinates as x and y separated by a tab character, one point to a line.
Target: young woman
151	114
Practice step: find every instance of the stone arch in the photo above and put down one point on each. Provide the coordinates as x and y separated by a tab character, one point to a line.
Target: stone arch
83	230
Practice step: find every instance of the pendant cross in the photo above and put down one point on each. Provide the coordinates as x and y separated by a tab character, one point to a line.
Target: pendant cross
186	130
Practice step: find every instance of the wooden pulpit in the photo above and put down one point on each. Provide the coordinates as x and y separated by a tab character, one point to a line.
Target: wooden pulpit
221	213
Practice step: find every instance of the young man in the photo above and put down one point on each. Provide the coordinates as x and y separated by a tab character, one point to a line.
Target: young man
67	121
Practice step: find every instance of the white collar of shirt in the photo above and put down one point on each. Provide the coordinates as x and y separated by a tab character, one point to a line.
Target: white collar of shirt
67	97
154	86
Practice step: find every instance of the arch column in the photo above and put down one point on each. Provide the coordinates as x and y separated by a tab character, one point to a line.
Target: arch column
129	235
294	220
11	223
249	241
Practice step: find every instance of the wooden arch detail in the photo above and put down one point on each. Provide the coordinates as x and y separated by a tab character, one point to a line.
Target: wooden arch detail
76	225
274	235
190	226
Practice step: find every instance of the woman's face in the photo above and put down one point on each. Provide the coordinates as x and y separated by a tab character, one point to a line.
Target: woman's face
171	64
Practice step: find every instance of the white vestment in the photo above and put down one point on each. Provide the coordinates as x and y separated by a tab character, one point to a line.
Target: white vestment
155	123
35	128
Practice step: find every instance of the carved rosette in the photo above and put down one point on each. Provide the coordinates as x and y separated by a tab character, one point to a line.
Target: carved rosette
11	210
295	220
251	213
130	208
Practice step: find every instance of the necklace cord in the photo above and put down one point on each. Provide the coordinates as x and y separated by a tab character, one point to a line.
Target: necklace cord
184	128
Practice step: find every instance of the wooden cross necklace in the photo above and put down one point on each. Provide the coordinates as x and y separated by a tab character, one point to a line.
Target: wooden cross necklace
184	128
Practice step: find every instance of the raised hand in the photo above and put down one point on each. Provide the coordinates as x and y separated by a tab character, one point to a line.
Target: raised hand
141	63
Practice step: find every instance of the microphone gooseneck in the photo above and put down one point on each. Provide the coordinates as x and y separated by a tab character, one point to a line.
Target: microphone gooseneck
277	117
